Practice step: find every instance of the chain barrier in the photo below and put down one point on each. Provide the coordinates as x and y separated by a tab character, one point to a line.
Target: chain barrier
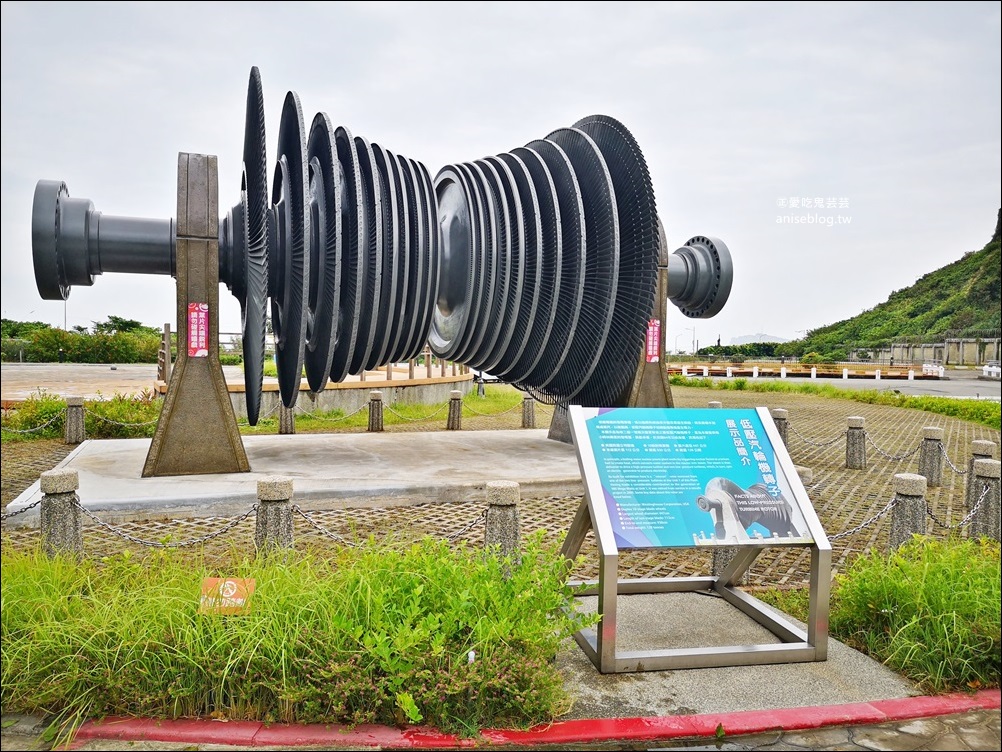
46	424
815	443
157	544
365	406
415	420
324	531
892	457
274	408
949	462
967	517
867	523
8	515
119	423
479	520
491	415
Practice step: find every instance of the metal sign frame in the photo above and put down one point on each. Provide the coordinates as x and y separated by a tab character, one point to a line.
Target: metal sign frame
796	644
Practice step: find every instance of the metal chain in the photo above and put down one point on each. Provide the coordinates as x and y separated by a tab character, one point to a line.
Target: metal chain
480	519
862	525
815	443
339	418
46	424
491	415
322	530
274	407
967	517
8	515
953	467
157	544
890	456
119	423
415	420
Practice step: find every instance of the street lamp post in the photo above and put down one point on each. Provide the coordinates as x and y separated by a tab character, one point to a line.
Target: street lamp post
693	330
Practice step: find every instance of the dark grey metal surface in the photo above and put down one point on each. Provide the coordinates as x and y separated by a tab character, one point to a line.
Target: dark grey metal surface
538	265
289	268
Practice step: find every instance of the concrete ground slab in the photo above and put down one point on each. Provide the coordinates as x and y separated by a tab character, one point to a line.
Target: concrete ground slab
356	469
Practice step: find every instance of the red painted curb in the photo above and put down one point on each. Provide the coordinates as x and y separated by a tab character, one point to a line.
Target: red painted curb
255	734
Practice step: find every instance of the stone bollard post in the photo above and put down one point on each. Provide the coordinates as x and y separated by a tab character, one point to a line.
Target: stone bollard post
981	449
73	430
528	411
931	456
501	532
273	530
780	418
286	419
411	364
713	404
855	444
428	364
909	510
985	522
455	421
62	532
375	411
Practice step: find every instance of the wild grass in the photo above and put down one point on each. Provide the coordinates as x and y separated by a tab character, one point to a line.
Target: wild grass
929	610
455	637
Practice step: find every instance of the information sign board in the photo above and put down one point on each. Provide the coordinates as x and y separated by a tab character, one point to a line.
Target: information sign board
687	477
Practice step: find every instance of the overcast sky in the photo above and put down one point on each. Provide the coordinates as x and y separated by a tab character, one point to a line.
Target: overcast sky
887	112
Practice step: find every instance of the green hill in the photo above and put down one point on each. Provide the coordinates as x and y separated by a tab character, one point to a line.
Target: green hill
959	300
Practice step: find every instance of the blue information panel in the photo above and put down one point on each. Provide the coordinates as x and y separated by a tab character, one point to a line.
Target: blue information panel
686	477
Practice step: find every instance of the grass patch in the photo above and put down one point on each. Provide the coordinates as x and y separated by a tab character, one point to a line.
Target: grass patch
984	412
929	610
425	634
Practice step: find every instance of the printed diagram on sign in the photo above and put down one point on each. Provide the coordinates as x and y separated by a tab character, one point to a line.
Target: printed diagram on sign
744	515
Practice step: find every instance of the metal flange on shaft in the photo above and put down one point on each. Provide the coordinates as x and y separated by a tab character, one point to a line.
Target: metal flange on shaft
537	265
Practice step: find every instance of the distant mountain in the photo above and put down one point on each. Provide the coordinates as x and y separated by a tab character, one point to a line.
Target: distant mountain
748	338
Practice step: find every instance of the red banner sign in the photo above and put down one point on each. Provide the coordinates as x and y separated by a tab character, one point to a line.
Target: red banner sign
653	340
198	330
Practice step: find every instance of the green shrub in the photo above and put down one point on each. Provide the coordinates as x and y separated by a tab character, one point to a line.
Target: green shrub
40	416
929	610
381	634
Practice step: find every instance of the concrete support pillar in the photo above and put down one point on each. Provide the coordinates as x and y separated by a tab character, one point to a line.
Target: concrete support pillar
780	418
389	372
375	411
985	522
501	533
528	411
427	362
73	429
909	510
455	421
286	419
855	444
981	449
411	365
273	530
714	404
60	526
931	456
